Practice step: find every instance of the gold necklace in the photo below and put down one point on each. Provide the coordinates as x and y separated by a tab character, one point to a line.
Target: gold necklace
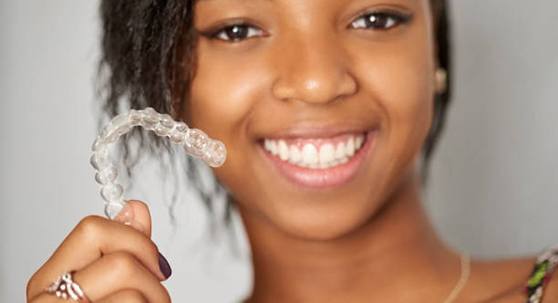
463	278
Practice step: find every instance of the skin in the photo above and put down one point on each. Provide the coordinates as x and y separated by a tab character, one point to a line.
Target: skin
308	79
115	261
305	69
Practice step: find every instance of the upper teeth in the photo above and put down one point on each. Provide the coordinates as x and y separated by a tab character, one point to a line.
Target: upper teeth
313	156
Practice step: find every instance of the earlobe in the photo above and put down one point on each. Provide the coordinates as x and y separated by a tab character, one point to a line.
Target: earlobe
440	80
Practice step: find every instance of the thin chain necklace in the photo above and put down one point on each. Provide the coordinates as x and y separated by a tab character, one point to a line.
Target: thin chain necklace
463	278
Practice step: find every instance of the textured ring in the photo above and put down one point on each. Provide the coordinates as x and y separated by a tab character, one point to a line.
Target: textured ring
65	288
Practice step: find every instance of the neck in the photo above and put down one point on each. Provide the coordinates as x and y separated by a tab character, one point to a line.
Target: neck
397	249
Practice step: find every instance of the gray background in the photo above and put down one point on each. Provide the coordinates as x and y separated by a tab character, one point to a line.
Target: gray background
494	177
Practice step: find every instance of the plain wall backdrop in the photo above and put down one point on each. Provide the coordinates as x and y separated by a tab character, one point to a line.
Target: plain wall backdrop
494	175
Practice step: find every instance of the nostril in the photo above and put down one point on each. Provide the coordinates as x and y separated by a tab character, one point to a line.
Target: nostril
318	87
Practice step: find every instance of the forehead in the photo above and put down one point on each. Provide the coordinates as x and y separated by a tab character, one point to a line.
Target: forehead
434	3
306	8
379	2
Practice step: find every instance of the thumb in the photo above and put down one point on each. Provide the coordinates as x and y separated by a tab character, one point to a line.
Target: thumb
136	214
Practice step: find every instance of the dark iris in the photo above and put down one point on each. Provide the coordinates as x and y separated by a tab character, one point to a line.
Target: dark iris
378	20
236	32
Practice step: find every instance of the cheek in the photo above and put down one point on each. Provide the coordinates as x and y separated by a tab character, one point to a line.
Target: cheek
224	92
409	111
398	79
220	89
403	77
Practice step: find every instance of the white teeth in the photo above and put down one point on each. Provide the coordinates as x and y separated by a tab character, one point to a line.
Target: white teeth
283	150
271	146
295	155
350	147
327	155
309	155
340	151
358	141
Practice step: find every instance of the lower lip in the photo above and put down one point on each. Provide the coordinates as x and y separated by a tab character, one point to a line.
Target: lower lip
322	178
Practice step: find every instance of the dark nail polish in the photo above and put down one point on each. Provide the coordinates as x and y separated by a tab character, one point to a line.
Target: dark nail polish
164	266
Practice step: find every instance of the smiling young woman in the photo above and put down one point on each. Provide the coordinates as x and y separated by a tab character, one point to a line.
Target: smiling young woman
330	111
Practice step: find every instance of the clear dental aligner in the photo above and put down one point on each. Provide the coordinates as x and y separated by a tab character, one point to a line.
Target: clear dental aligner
195	142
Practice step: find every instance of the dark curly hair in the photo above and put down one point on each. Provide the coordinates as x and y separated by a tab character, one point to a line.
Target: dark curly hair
147	60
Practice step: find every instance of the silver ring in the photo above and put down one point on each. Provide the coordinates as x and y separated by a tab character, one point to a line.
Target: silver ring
65	288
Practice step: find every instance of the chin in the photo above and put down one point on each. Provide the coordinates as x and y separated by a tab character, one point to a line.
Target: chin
319	216
331	217
321	225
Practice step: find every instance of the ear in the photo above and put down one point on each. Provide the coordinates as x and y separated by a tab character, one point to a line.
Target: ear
440	80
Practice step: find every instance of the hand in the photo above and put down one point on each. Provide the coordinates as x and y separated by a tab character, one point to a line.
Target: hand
114	261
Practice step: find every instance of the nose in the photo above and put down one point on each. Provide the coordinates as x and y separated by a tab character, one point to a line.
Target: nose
312	71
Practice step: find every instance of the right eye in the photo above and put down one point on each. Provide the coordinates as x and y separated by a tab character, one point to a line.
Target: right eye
236	32
380	20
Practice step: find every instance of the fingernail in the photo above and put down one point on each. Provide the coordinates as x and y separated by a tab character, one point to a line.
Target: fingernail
126	215
164	266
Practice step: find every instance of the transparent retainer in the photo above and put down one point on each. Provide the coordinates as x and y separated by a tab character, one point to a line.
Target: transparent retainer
195	142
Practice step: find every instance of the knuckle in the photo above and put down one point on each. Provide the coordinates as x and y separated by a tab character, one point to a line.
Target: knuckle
122	263
91	226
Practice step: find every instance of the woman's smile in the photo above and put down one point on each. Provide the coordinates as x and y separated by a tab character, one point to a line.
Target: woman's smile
307	96
318	158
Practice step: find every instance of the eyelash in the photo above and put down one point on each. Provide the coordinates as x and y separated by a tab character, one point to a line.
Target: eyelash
364	21
394	19
248	29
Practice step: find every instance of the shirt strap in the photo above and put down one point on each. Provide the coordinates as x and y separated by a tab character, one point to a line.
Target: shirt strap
542	271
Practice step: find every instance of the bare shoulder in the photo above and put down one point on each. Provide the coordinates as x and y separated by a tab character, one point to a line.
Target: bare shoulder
519	294
551	290
550	294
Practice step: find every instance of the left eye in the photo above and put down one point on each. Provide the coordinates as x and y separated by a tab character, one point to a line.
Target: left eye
379	20
237	32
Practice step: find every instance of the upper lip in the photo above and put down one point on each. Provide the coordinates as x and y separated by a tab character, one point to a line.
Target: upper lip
315	131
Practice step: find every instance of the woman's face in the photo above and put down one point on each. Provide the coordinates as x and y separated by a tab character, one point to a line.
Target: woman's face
323	104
